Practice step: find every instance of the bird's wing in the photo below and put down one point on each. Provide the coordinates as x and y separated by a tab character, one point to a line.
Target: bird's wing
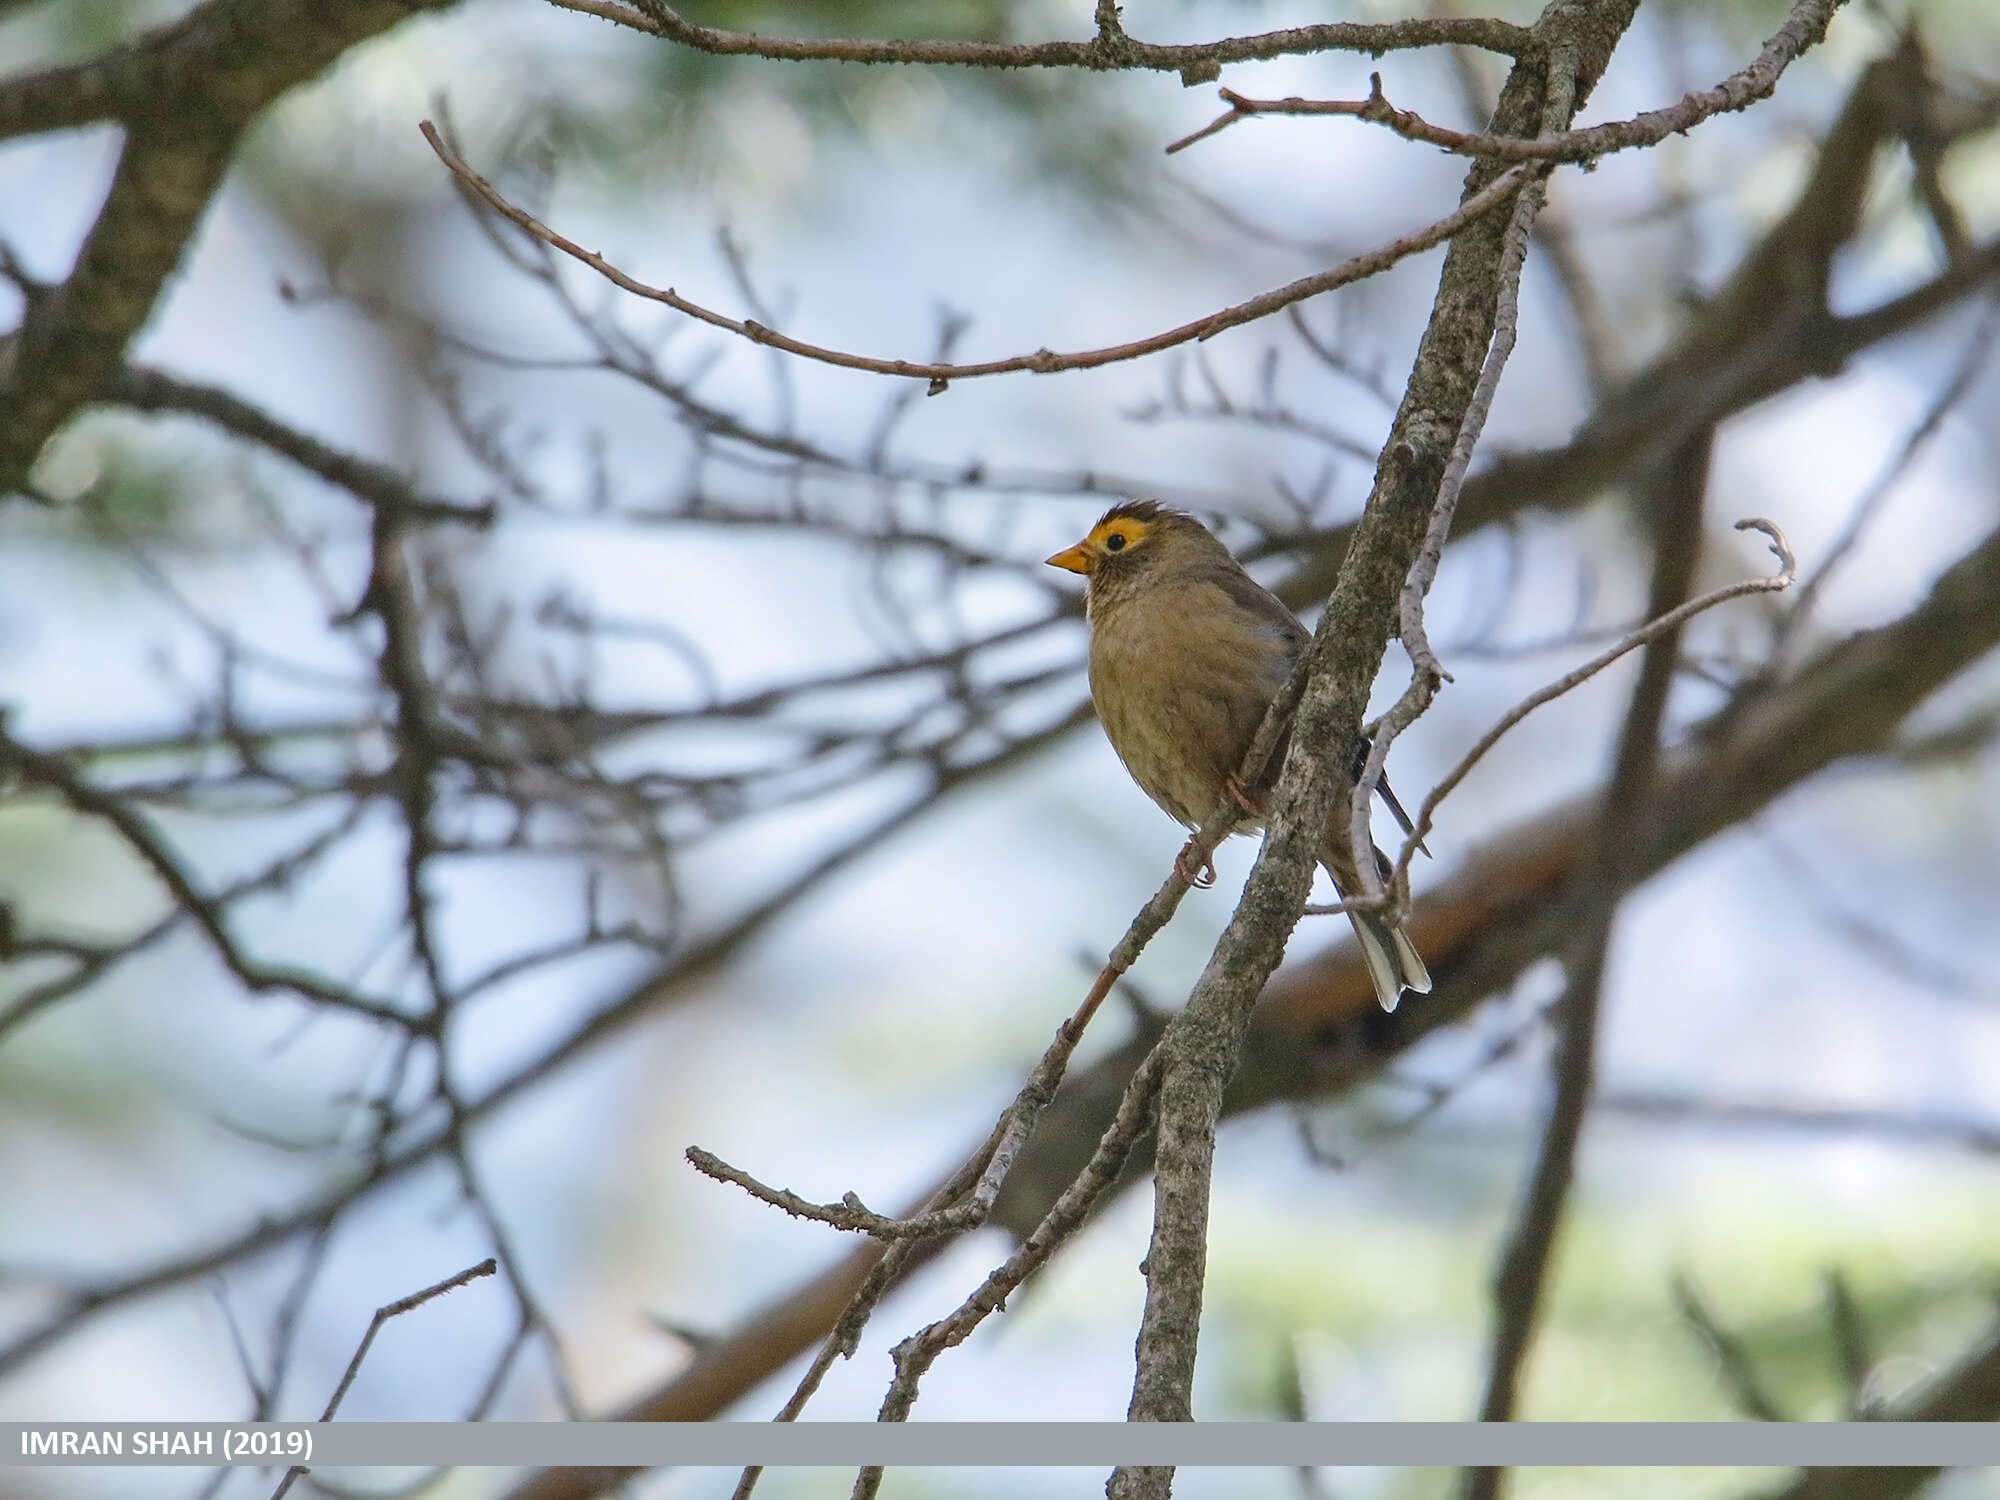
1275	616
1266	608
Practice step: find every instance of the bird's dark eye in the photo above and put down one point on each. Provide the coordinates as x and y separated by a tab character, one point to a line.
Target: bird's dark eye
1115	542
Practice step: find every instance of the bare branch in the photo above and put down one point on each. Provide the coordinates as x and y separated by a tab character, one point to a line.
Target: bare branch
1042	361
850	1213
915	1355
1110	50
1427	673
1733	1361
383	1314
1805	26
1978	348
151	390
1644	635
204	910
226	56
186	92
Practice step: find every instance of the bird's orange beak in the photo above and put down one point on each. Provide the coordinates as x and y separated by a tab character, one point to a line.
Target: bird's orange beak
1073	560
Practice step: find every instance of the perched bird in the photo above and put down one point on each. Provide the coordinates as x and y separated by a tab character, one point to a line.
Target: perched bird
1186	652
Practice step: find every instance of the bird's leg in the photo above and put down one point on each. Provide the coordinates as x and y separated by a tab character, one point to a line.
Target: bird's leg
1201	876
1255	807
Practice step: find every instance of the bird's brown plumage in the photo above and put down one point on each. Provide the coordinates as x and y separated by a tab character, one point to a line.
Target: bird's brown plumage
1186	652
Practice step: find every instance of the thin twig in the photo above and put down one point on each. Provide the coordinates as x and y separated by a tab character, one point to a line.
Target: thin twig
383	1314
1427	673
1978	349
850	1213
207	913
1196	62
966	1206
917	1353
1645	634
1042	361
1805	25
1733	1362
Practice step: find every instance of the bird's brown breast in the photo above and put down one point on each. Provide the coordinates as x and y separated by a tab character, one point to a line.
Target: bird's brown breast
1181	676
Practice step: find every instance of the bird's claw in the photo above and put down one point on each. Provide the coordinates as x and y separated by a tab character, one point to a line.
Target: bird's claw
1200	876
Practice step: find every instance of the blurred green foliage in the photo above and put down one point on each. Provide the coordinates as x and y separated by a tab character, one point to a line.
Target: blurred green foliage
56	31
1616	1346
121	479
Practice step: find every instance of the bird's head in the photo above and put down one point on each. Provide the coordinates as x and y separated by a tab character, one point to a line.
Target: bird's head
1133	538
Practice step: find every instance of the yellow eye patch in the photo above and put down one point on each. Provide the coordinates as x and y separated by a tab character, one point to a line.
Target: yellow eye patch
1118	534
1118	530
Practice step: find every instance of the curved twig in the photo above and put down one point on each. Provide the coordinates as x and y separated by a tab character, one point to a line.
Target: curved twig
1776	583
1805	25
1041	361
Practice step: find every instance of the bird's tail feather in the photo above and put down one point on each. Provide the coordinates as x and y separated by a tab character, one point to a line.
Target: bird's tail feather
1393	962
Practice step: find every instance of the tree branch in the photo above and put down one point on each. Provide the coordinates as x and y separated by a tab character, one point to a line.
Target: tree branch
940	373
205	911
1653	630
1109	50
154	391
1803	28
185	93
383	1314
1764	331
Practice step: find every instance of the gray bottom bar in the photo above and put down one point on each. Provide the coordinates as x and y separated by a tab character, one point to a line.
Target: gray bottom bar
1006	1444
